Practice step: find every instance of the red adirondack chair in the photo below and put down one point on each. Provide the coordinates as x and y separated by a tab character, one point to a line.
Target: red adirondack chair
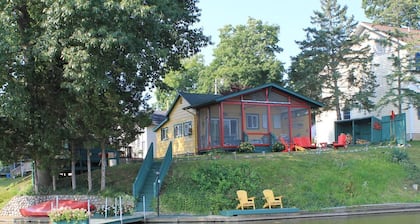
304	142
286	145
341	142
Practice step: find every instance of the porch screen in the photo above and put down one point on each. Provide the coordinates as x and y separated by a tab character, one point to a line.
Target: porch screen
209	130
231	124
203	128
214	126
256	124
300	122
280	122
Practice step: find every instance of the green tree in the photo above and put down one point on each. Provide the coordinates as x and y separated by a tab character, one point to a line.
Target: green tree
86	65
184	79
303	74
245	57
395	13
346	79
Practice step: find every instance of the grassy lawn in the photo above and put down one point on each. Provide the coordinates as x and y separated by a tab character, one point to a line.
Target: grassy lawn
11	187
310	180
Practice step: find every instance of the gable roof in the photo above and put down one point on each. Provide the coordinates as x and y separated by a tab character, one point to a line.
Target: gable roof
199	100
220	98
412	35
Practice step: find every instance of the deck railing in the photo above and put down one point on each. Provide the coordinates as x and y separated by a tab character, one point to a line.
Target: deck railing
143	172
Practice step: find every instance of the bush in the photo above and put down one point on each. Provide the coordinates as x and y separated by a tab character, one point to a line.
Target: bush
277	147
246	147
68	214
399	156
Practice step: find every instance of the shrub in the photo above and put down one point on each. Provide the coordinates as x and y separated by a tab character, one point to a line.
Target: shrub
277	147
399	156
68	214
246	147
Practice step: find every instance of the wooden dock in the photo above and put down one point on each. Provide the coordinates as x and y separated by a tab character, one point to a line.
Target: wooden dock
135	218
258	211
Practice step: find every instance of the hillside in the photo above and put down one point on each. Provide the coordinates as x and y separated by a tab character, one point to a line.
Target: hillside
310	180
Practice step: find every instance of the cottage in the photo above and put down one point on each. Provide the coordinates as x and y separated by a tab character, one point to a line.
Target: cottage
196	123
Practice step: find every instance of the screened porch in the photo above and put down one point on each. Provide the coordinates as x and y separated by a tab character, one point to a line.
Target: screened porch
260	118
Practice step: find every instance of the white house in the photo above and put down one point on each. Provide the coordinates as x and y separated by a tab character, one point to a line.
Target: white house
325	121
138	148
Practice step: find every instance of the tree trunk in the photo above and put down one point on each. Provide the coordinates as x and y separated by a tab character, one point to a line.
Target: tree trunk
103	165
73	166
34	178
89	170
43	176
54	182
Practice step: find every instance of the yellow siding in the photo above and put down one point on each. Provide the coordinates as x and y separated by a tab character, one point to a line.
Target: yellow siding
183	144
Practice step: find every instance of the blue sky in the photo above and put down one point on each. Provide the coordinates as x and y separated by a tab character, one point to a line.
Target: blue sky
291	15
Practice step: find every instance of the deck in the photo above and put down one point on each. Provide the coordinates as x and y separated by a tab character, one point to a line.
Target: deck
258	211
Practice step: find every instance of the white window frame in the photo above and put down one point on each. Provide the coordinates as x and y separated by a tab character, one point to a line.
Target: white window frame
178	130
164	134
252	121
187	128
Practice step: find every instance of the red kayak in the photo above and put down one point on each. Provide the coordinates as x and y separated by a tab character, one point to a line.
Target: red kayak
42	209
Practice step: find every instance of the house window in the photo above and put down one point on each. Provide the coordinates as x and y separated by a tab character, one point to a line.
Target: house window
346	114
177	130
252	121
187	128
164	134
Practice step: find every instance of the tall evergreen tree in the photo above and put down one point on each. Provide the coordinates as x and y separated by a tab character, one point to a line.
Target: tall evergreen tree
395	13
346	79
403	16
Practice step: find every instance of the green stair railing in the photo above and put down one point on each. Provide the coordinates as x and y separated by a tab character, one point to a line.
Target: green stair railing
164	167
143	172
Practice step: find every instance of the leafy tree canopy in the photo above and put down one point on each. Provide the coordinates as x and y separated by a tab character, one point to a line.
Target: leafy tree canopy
245	57
182	80
72	65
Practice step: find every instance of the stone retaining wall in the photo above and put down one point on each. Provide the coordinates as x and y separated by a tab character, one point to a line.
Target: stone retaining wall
18	202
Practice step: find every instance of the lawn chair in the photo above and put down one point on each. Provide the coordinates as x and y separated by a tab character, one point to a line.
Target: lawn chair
244	201
304	142
286	145
272	201
341	142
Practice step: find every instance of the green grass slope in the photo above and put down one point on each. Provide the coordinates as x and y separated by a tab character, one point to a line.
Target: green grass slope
308	180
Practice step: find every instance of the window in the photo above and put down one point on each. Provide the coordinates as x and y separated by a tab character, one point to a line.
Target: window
346	114
252	121
177	130
187	128
164	134
417	62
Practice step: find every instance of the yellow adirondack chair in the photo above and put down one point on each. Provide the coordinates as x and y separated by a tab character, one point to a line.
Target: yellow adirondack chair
272	201
244	201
